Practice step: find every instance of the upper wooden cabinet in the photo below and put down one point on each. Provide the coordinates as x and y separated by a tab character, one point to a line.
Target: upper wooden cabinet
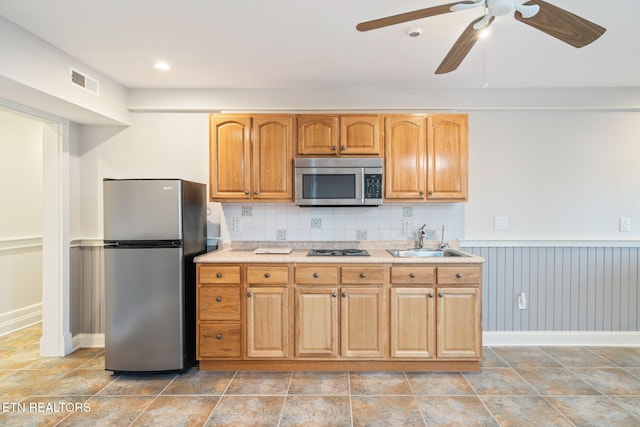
426	157
405	151
448	154
339	135
251	157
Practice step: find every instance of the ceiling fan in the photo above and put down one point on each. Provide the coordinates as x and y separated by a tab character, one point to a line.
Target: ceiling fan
543	16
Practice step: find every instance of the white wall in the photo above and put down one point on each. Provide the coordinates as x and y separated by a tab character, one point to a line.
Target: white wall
20	218
156	145
36	74
554	174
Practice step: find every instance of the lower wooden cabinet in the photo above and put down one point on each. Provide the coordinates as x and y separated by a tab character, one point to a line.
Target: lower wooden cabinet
267	322
458	322
339	317
316	321
362	322
412	320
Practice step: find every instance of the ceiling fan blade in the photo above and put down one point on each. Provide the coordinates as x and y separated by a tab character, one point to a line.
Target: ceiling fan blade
461	47
408	16
562	24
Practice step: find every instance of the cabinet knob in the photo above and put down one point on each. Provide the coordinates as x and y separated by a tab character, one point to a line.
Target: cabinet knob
246	192
218	275
267	275
422	193
344	147
249	294
335	294
219	336
344	295
362	275
256	192
316	275
218	299
459	275
430	192
430	294
441	295
412	275
334	148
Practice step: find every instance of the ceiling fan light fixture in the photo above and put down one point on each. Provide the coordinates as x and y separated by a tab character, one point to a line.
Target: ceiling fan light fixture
483	33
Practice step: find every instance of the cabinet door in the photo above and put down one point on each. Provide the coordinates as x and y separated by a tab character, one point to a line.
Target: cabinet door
316	322
272	156
317	134
361	322
360	134
412	322
448	155
230	162
458	322
405	141
267	322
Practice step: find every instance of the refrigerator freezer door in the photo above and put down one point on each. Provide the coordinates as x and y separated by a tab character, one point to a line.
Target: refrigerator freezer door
143	209
144	329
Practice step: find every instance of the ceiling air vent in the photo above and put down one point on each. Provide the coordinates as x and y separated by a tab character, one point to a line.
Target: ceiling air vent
84	81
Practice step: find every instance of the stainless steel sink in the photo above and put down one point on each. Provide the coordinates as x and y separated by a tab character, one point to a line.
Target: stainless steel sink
424	253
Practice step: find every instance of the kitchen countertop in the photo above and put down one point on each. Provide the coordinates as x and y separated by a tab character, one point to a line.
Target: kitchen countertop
377	256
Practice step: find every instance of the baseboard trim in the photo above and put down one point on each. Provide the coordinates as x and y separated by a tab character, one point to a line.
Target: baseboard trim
550	338
21	318
87	341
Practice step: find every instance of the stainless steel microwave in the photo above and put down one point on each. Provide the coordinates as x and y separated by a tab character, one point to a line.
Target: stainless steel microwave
341	181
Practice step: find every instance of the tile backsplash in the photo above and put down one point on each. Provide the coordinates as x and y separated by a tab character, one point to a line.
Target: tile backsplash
284	221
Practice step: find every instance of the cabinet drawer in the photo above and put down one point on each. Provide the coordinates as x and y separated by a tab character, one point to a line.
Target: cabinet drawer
362	274
412	274
219	340
452	275
265	275
214	274
219	303
316	275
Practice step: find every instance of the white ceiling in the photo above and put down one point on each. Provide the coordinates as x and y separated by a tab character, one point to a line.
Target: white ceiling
314	44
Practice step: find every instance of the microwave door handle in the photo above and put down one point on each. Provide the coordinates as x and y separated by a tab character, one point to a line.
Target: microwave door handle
360	186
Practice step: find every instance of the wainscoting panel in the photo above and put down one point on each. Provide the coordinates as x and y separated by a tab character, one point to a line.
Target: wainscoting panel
578	288
87	289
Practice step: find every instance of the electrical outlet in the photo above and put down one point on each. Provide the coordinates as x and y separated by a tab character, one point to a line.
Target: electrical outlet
522	301
237	224
407	226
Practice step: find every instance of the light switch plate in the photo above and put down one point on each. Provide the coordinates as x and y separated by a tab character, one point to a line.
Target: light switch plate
625	223
501	223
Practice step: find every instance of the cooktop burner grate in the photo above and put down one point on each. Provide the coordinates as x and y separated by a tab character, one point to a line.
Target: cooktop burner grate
338	252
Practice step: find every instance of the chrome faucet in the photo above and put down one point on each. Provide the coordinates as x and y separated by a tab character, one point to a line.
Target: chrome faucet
421	233
443	245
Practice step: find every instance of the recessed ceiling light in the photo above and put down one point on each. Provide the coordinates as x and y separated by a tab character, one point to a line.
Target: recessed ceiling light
162	66
413	31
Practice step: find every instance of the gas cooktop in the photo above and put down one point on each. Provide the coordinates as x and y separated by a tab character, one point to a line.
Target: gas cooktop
338	252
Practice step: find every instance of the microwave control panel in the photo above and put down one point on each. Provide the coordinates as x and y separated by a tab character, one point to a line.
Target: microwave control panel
373	186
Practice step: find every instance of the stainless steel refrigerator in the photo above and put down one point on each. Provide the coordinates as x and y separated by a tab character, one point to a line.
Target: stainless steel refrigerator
153	228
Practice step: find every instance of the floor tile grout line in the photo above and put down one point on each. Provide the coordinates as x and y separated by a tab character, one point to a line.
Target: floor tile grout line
284	401
153	400
415	398
224	393
350	398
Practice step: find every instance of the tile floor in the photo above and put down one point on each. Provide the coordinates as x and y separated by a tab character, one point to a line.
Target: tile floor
518	386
